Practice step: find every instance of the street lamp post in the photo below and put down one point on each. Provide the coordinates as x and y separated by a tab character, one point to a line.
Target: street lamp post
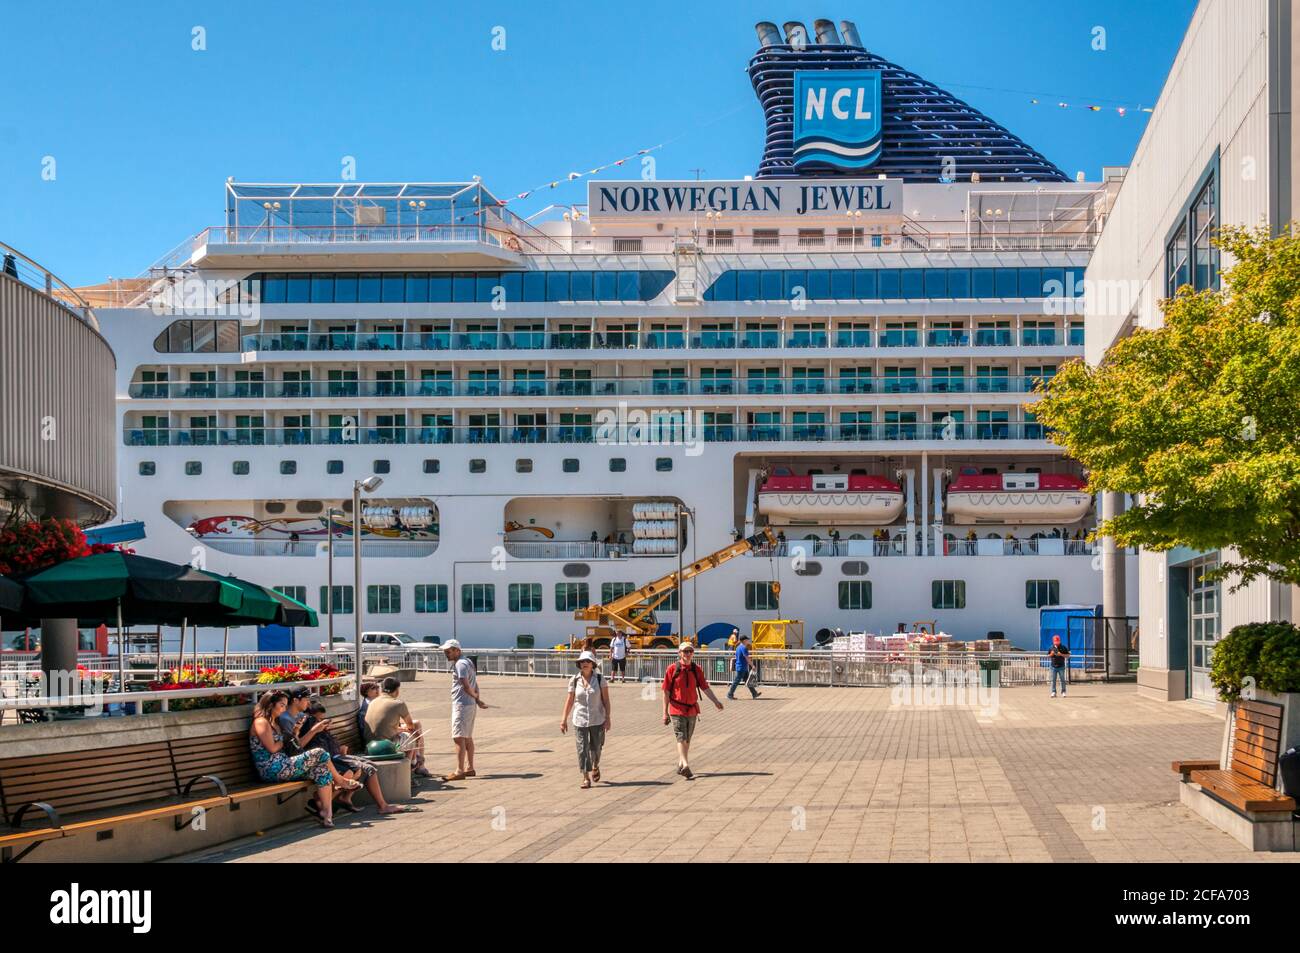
369	484
331	514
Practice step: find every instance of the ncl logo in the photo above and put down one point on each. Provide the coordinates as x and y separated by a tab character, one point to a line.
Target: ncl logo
837	121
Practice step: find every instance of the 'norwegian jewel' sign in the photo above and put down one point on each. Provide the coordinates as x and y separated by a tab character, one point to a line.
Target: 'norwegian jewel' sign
775	198
837	121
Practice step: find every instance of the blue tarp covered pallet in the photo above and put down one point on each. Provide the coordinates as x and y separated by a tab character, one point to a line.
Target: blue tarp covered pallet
1076	625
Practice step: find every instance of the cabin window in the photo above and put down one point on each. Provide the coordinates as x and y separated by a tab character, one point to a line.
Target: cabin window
570	465
383	599
239	468
759	597
431	597
432	466
288	467
478	597
609	591
148	468
525	597
855	594
524	465
948	594
381	466
571	596
340	604
663	464
1042	592
334	467
193	468
617	465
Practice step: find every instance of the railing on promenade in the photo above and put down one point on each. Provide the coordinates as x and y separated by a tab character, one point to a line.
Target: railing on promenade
101	701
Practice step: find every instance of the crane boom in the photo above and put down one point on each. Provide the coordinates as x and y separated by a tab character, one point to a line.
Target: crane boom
633	612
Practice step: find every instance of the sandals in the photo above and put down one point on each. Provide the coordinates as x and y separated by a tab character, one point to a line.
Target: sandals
586	783
455	776
348	806
327	822
595	775
312	808
400	809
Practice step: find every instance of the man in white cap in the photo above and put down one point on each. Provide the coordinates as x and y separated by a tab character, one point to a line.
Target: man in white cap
465	703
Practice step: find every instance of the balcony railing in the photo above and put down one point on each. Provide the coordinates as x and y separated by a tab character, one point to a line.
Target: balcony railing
751	339
856	548
664	433
380	548
582	387
567	549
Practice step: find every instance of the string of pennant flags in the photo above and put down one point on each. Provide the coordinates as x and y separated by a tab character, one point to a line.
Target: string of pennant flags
580	175
1043	99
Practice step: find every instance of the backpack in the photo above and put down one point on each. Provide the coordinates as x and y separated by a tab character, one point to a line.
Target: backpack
696	672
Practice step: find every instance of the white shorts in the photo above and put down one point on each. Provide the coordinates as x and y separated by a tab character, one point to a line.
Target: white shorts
462	720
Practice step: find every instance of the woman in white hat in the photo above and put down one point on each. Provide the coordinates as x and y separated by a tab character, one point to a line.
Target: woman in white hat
588	701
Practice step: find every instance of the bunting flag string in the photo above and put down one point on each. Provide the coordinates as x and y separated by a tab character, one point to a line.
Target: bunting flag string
1063	102
572	176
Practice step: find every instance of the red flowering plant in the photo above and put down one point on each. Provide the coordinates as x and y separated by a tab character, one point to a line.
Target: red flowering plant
184	679
296	673
36	545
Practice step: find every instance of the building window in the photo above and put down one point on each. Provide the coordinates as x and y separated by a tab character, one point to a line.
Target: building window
478	465
384	600
525	597
571	596
334	467
524	465
341	603
431	598
617	465
381	466
478	597
855	594
148	468
948	594
432	466
663	464
239	468
1042	592
570	465
193	468
760	597
609	591
297	593
288	467
1190	257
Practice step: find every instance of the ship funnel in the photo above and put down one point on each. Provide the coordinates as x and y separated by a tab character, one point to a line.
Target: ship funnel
796	34
768	34
850	33
826	35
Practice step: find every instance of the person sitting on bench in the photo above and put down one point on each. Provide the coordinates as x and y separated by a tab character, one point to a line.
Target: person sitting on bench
349	765
388	719
273	763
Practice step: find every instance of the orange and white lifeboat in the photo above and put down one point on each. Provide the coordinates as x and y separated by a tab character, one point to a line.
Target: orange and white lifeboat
856	500
1017	498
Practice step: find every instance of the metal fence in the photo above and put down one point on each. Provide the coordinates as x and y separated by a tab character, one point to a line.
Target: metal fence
823	668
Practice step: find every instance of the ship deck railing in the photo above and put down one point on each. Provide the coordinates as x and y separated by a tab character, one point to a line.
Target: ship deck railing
675	429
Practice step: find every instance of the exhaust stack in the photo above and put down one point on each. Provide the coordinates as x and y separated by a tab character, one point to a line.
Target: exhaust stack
850	33
796	34
768	34
826	35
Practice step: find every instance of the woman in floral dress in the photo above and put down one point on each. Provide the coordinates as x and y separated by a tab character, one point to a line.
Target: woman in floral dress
273	763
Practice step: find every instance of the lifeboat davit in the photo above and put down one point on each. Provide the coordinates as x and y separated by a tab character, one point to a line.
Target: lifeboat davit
830	498
1017	498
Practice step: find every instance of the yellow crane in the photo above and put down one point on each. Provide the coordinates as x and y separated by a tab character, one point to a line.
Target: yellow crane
634	613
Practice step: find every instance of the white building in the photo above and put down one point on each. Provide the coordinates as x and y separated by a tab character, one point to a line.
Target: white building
1220	148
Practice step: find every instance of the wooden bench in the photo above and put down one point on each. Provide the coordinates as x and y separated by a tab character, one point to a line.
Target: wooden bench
95	785
1250	783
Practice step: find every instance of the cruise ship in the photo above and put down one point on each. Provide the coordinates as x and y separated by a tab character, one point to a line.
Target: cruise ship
842	345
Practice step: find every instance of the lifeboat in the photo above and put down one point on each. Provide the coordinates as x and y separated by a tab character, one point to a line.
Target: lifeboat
855	500
1017	498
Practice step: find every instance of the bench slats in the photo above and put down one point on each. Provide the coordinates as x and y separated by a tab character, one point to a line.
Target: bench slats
141	775
1229	786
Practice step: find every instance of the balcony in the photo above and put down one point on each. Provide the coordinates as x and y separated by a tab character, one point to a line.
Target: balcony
666	433
578	387
379	548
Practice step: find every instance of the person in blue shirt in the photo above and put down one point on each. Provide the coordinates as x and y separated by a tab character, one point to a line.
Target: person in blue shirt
743	669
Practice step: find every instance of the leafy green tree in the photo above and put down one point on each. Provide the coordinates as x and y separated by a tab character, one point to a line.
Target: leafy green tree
1200	419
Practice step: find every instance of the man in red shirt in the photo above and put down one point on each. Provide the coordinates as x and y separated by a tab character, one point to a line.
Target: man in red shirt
683	683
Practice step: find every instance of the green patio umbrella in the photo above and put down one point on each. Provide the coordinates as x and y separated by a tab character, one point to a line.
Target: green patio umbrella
261	606
138	590
11	595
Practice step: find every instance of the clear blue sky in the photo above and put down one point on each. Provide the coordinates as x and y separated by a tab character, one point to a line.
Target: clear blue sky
145	130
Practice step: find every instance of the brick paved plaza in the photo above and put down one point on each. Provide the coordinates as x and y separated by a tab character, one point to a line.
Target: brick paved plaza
800	774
